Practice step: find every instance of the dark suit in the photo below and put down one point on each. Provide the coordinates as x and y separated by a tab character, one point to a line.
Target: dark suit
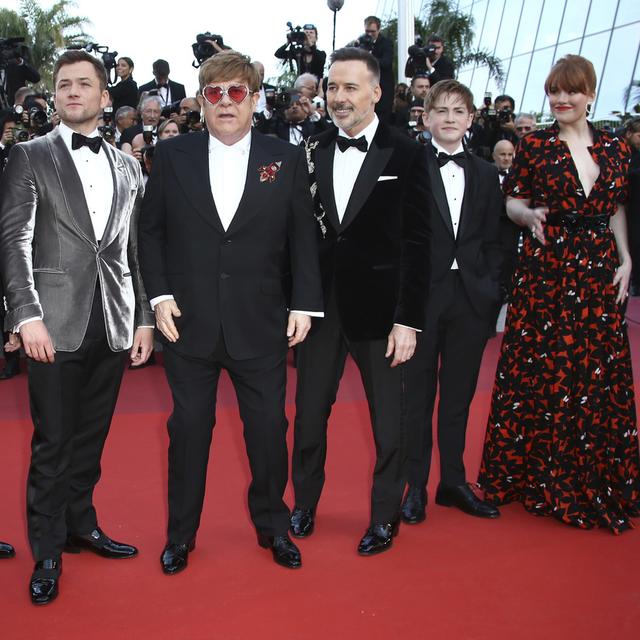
383	52
124	94
281	128
375	266
461	312
231	287
177	90
17	75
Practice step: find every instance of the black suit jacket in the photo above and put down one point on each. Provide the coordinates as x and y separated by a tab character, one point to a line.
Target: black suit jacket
17	75
383	52
279	127
376	262
234	280
443	69
177	90
124	94
477	247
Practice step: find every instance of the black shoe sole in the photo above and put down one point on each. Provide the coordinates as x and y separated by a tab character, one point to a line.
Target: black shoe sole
73	548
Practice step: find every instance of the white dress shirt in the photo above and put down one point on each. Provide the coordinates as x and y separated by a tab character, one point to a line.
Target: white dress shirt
164	93
453	181
347	165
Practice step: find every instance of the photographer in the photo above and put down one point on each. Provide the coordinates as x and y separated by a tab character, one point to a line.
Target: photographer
34	117
493	123
15	70
420	85
167	90
429	61
301	47
125	93
189	117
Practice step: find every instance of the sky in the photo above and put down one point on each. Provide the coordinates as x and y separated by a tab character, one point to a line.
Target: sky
145	31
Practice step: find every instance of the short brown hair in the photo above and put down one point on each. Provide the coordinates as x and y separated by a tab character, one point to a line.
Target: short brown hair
353	54
571	73
229	65
71	56
449	87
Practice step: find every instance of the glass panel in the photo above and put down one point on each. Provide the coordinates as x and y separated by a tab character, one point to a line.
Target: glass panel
491	24
617	74
601	15
528	26
574	16
628	11
517	74
549	24
534	92
479	83
508	31
465	76
477	13
594	48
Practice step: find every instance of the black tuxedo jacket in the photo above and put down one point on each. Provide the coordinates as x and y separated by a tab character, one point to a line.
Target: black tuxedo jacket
177	90
477	247
234	280
376	262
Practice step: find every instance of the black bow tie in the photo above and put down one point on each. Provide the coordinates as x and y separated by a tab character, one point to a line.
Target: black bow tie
359	143
459	158
503	172
78	140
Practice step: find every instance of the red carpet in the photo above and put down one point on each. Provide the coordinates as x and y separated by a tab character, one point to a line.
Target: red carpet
453	577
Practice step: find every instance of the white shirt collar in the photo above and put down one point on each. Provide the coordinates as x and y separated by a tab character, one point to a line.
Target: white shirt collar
440	149
66	133
368	132
242	146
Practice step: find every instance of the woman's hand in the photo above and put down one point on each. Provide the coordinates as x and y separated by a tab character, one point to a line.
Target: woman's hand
621	280
535	219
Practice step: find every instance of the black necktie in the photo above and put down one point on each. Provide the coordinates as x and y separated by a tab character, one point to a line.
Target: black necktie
78	140
359	143
459	158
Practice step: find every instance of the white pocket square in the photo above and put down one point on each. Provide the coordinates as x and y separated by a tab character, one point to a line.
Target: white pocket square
381	178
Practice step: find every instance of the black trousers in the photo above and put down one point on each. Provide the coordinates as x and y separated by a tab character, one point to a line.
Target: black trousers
449	352
320	365
260	385
72	403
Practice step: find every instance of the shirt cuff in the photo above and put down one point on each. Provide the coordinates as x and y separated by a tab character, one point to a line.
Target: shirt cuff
145	326
397	324
16	329
154	301
313	314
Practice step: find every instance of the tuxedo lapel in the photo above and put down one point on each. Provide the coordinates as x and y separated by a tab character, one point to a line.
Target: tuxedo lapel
470	187
439	194
121	191
192	167
71	186
323	159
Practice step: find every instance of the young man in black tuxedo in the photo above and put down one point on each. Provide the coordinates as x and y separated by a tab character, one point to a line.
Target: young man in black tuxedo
371	207
227	231
167	90
464	300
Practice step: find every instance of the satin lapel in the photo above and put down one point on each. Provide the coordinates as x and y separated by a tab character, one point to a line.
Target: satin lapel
71	186
439	194
121	190
324	175
256	193
470	187
191	164
374	163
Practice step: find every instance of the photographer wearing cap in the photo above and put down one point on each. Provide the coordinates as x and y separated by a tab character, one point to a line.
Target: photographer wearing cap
301	46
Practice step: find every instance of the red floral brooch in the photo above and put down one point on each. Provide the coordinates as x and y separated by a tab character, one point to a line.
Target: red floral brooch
268	171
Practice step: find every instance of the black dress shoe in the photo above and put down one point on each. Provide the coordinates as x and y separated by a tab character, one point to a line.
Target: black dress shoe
44	581
302	522
174	558
284	552
11	368
6	551
378	538
101	544
414	507
466	500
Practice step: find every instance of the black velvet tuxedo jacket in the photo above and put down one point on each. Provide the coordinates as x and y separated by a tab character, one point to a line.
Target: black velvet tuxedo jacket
177	90
477	247
376	262
235	280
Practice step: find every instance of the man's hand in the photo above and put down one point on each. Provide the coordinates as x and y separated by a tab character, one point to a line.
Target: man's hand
401	344
37	341
165	312
7	137
14	343
142	346
297	328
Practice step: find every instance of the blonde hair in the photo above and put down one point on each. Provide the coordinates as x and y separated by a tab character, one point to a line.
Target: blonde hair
229	65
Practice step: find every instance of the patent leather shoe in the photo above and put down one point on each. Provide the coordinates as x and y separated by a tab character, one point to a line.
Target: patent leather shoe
378	538
44	581
466	500
6	551
414	507
302	522
101	544
175	557
11	368
285	553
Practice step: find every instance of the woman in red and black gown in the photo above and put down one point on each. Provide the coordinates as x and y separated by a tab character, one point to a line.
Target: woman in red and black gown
562	436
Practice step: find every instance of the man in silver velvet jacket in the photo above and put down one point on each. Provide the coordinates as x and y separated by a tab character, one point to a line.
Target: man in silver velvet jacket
69	206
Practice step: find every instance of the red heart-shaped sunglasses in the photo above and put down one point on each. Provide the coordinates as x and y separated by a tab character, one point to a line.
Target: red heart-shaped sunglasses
236	92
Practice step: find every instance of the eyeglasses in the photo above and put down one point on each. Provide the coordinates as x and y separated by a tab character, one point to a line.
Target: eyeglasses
236	93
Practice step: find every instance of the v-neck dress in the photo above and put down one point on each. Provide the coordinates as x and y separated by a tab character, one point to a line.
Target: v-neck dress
562	436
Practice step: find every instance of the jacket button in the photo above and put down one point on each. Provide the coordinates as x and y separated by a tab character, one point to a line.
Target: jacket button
341	239
227	241
224	276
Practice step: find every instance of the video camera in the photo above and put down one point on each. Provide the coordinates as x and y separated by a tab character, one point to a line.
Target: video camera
493	117
419	54
108	57
281	98
366	42
203	50
296	37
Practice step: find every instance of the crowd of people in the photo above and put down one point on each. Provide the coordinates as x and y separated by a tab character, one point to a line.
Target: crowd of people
338	216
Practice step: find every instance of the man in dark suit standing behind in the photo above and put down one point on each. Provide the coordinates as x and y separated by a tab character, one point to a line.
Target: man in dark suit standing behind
371	199
226	229
463	304
167	90
382	50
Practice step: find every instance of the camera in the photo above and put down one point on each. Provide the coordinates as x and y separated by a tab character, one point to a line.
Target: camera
148	133
296	37
203	50
365	41
10	50
419	54
281	98
108	57
107	130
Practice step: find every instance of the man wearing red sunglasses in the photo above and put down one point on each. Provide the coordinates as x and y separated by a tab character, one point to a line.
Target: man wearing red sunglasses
227	246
